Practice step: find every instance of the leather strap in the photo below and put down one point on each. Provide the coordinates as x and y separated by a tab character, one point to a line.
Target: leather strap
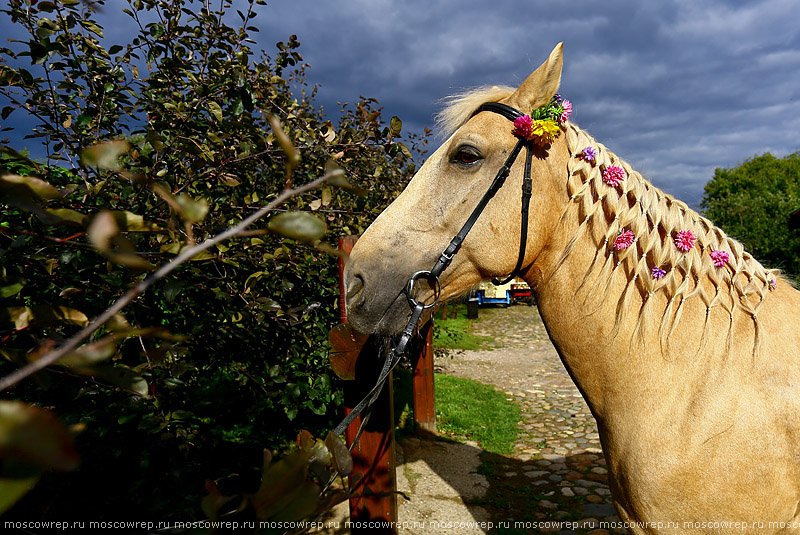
527	190
499	180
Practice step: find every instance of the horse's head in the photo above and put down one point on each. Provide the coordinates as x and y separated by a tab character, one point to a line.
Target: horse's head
410	235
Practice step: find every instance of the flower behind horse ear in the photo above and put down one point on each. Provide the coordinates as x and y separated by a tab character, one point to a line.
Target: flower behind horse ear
544	131
567	105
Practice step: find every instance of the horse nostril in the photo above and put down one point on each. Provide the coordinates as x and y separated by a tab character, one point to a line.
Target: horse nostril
354	287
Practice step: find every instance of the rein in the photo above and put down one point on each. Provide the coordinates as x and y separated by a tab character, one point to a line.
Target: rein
432	276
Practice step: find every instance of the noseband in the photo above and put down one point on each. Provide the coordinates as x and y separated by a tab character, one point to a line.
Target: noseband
432	276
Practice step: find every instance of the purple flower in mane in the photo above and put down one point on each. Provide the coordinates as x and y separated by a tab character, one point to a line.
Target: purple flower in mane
557	98
658	273
589	154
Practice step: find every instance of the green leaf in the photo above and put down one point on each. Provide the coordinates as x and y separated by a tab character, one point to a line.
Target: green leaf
300	226
26	187
230	180
118	375
104	233
215	109
341	182
92	27
192	210
13	289
395	126
292	154
130	222
342	459
105	155
33	435
285	492
172	289
21	317
66	216
405	151
238	107
102	229
14	488
91	354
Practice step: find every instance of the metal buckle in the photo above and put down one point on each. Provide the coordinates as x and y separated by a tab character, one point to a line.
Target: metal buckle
437	289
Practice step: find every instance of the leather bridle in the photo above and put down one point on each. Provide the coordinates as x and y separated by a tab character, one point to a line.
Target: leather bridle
393	357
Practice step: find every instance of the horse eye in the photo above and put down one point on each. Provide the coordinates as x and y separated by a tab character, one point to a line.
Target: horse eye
465	157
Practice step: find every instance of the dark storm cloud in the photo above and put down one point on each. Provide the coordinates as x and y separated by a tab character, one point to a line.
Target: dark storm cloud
677	87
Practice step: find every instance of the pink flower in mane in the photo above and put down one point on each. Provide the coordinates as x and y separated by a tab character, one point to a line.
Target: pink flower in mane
720	258
684	240
613	175
624	240
523	127
567	105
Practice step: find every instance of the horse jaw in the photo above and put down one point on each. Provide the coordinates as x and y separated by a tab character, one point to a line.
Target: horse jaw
378	270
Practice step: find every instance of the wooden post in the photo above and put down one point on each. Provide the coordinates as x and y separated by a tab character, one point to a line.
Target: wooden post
424	402
373	456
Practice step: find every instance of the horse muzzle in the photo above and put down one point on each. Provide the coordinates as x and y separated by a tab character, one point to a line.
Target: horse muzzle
374	301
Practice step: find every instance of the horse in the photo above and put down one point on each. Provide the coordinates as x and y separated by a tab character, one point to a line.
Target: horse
683	345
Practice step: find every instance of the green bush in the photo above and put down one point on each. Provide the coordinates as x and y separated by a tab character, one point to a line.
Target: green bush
227	355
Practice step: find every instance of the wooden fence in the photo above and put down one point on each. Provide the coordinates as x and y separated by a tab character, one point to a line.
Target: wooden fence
374	456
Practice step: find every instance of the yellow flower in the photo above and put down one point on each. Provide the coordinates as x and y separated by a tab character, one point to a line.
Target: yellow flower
544	131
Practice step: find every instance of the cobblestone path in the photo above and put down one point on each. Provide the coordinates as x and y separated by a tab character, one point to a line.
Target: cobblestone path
557	471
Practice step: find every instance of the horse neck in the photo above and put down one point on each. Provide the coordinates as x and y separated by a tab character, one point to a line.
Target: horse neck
615	326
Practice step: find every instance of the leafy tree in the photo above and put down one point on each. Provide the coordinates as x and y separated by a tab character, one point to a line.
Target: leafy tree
196	130
753	201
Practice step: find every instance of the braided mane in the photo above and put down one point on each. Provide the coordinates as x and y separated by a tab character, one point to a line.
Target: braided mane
654	218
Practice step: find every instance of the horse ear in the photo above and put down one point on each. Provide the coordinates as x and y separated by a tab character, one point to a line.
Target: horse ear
540	86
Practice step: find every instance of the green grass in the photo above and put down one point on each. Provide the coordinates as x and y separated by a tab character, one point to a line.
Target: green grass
456	333
465	409
478	412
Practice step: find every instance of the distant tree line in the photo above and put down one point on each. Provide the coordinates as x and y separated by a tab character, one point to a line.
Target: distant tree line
753	203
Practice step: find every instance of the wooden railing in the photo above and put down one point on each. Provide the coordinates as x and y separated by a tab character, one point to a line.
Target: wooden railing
373	455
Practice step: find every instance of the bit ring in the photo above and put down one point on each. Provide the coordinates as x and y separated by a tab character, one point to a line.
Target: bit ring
437	288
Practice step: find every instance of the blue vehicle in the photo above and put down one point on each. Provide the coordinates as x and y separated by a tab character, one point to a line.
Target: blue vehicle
489	294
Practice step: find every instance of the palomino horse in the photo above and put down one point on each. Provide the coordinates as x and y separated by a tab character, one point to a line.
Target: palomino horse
684	347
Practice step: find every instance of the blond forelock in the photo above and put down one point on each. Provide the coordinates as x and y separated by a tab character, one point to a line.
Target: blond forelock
459	108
